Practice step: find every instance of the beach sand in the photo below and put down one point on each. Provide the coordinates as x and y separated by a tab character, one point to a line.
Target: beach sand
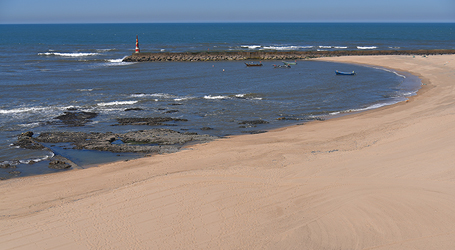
380	179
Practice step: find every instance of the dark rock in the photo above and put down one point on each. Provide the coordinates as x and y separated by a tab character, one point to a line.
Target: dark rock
57	164
133	109
150	121
254	122
143	141
25	140
206	128
15	172
254	132
71	109
171	111
27	134
76	118
5	165
287	119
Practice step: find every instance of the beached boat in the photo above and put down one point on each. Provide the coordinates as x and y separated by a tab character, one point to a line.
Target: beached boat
253	64
344	73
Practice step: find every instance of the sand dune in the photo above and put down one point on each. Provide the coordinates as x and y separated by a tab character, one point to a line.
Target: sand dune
381	179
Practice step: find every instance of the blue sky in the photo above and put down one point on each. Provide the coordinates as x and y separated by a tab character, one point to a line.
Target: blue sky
163	11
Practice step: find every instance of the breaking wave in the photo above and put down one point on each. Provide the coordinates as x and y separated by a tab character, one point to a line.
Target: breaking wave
367	47
116	103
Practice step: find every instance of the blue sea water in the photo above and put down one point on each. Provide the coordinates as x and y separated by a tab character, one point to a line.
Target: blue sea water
47	69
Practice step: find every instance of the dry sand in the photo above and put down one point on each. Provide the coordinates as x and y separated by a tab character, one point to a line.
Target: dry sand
382	179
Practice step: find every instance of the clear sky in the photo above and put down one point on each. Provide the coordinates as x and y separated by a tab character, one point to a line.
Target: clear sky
164	11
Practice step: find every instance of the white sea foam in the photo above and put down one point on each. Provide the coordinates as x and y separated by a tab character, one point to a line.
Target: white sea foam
340	47
116	103
286	47
23	110
105	50
184	98
392	71
251	46
37	159
85	90
30	125
76	54
216	97
155	95
367	47
325	47
115	60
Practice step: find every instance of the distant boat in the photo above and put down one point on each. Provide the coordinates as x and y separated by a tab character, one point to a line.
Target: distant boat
253	64
282	66
345	73
289	63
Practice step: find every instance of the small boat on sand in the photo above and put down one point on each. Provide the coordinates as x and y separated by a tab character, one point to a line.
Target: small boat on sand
253	64
345	73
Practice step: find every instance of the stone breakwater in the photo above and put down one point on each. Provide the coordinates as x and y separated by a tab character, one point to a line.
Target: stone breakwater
270	55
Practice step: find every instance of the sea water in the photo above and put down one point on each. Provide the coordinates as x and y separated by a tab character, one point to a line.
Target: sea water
46	70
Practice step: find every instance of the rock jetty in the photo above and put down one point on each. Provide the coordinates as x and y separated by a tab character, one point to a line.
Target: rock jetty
270	55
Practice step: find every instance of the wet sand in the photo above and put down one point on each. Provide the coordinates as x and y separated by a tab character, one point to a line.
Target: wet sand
380	179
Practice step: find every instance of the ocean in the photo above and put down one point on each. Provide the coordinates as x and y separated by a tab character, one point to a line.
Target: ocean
46	70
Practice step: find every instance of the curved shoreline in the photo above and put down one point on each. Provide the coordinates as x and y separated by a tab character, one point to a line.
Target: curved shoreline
271	55
379	179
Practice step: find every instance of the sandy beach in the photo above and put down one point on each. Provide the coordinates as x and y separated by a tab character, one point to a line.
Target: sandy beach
380	179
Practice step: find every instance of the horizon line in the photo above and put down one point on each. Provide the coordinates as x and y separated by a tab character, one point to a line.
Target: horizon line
240	22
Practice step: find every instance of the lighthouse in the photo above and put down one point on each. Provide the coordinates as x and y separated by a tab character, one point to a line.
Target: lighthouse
137	45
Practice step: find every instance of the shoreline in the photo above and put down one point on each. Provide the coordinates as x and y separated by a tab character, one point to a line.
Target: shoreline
381	178
101	151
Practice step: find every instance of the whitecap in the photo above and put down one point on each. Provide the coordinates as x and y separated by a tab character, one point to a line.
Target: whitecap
116	103
22	110
159	95
184	98
217	97
367	47
78	54
286	47
105	50
117	62
30	125
250	46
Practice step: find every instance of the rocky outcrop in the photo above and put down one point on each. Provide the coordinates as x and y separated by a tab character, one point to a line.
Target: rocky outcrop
150	121
143	141
270	55
25	140
76	118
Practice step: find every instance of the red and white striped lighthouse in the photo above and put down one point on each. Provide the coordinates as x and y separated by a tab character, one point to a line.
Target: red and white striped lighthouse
137	45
